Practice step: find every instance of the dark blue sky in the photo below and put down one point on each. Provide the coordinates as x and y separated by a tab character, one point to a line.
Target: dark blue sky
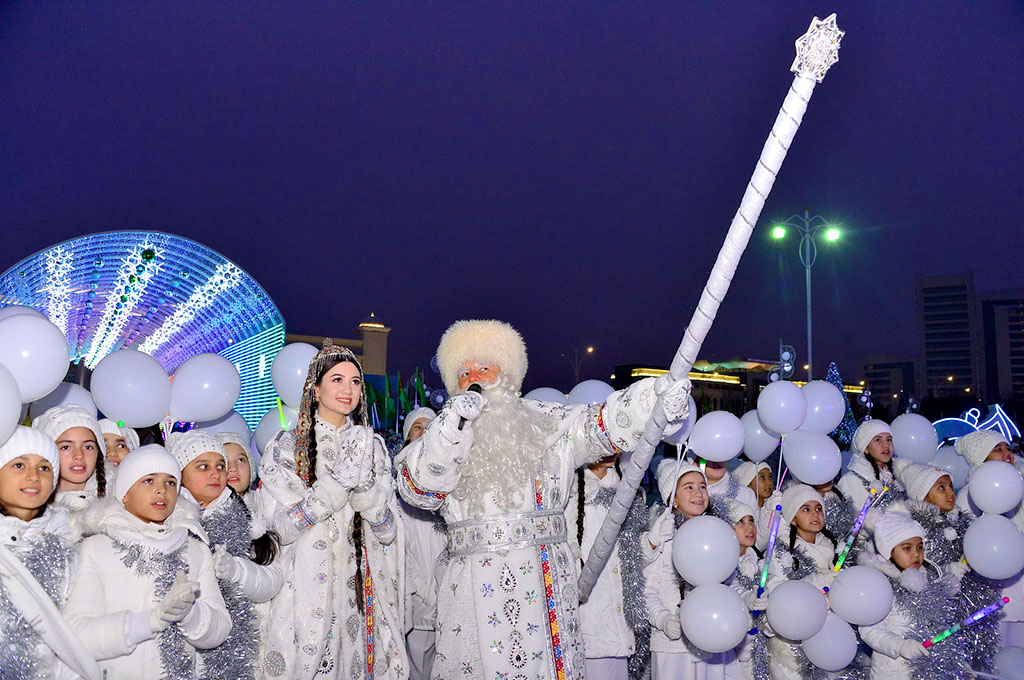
571	168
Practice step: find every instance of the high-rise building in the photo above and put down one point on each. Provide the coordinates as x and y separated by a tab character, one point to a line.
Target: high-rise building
892	379
949	336
1002	321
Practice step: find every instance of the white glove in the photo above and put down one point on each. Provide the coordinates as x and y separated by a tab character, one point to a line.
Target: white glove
466	405
175	605
675	397
912	649
225	565
958	570
673	628
663	530
755	603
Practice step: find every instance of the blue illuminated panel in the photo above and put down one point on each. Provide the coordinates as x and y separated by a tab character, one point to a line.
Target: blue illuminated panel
253	358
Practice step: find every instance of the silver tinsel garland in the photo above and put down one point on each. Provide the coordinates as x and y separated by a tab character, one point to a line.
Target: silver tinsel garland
175	660
930	612
943	535
633	531
234	658
839	516
981	641
19	660
759	642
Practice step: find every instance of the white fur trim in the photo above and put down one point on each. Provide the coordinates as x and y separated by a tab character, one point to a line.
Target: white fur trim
485	341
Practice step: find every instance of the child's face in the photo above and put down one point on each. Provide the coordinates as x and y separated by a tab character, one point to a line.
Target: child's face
1001	452
691	495
117	447
810	518
909	554
152	498
417	428
205	477
880	448
78	453
765	484
941	494
25	484
714	471
746	531
239	472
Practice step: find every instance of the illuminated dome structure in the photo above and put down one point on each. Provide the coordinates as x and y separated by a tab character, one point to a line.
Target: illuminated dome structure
163	294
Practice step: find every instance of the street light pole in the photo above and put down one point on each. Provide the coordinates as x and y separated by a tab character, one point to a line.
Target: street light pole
807	226
577	361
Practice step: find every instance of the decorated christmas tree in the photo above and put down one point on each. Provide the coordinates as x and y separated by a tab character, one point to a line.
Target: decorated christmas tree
845	430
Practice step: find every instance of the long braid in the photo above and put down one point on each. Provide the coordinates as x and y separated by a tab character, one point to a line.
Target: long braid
101	474
357	541
838	493
311	452
580	508
792	547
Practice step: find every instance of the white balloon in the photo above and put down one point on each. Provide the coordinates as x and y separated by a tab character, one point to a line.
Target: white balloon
914	438
758	443
131	386
813	458
714	617
781	407
861	595
834	647
797	610
63	395
232	422
996	487
952	462
590	392
270	425
717	436
705	550
10	404
15	310
289	370
549	394
1010	663
35	352
826	407
683	431
994	547
205	387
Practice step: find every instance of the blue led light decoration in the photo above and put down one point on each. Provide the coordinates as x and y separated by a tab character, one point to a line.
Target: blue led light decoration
163	294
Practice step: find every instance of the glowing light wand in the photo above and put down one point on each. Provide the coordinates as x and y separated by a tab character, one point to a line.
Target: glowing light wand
972	619
852	538
772	535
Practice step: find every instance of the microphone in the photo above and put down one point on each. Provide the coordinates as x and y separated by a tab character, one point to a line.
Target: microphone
472	388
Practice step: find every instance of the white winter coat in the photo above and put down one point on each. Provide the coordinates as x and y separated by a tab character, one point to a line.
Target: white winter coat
106	593
860	477
424	546
743	494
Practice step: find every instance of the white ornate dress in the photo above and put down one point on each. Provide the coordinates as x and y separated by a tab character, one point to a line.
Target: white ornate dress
508	601
316	629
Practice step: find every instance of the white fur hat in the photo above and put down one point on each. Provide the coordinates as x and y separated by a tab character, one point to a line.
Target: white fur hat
25	440
892	528
867	431
737	510
59	419
187	446
745	473
919	479
488	341
232	438
413	416
145	460
667	476
794	497
130	436
976	446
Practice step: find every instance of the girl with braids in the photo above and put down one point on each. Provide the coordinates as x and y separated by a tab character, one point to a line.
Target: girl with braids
329	494
80	443
871	467
613	622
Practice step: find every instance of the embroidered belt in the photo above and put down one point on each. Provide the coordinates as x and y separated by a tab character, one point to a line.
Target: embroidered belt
510	532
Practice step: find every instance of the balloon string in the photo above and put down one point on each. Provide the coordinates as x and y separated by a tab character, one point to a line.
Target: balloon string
680	452
779	475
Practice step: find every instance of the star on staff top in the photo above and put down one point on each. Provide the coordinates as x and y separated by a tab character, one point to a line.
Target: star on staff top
818	48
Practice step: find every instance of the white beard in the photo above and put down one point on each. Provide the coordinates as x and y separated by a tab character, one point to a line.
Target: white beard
508	443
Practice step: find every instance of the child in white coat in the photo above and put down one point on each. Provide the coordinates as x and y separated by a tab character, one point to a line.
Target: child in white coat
80	443
924	605
118	442
871	467
242	553
146	596
36	565
753	652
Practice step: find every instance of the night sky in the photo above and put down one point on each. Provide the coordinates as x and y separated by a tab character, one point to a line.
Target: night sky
568	167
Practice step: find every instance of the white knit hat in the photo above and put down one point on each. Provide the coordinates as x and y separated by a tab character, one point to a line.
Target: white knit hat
892	528
410	420
745	473
232	438
976	446
130	436
485	341
737	510
145	460
59	419
794	497
867	431
919	479
667	476
187	446
25	440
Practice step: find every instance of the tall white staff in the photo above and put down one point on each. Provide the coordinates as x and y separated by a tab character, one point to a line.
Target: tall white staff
816	51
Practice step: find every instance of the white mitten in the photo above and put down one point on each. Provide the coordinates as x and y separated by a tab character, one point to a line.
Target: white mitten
673	628
675	397
175	605
911	649
663	530
957	570
755	603
467	405
226	565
